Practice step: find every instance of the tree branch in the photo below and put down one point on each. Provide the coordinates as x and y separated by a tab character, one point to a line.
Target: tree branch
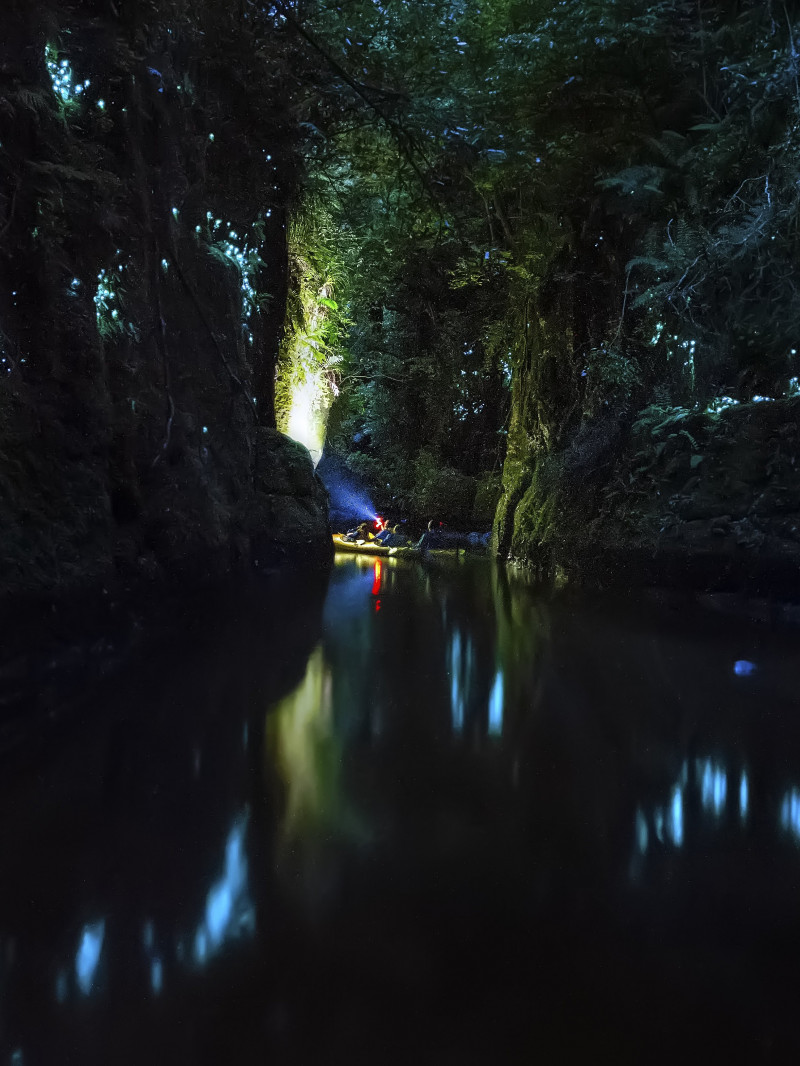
404	140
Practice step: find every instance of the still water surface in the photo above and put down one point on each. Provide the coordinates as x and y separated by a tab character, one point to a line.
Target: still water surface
431	817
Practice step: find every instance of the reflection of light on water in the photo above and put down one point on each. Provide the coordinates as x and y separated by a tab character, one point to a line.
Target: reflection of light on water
460	666
641	833
713	787
496	705
88	956
456	694
676	817
300	729
668	821
658	823
156	976
790	812
305	746
229	910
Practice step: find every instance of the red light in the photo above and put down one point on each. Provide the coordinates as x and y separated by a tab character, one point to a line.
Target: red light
377	606
376	584
380	523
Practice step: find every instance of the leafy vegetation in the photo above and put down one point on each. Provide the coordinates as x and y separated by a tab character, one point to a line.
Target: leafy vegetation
557	214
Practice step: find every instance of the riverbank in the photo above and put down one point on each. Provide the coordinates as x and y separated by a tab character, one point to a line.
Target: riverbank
703	500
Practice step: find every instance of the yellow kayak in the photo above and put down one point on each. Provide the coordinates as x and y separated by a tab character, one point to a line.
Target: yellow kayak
366	547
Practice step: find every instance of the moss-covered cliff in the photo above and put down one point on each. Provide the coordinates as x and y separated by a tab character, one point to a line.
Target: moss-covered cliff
652	306
147	166
706	499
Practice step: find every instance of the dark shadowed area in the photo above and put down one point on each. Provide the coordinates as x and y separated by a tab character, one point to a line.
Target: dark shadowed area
449	821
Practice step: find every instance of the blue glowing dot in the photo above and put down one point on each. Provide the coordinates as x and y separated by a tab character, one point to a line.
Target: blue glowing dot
744	668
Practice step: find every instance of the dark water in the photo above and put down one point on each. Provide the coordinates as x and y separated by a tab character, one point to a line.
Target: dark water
435	819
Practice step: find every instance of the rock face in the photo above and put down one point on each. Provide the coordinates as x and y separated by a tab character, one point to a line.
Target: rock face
142	294
288	516
684	498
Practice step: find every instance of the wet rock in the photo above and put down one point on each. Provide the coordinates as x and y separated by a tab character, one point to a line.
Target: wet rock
288	514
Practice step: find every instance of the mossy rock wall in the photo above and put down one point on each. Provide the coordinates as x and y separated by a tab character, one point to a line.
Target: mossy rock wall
684	498
138	346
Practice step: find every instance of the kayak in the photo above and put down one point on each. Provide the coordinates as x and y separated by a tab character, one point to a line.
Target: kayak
366	547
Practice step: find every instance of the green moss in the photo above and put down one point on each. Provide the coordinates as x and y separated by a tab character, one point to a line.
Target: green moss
535	527
487	496
441	491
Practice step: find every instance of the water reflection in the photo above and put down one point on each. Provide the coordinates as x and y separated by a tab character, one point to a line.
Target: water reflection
790	812
229	912
308	752
496	706
676	817
465	684
669	821
156	975
299	850
714	786
88	956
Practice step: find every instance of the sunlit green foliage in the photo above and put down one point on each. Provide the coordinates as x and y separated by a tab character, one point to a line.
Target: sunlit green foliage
312	355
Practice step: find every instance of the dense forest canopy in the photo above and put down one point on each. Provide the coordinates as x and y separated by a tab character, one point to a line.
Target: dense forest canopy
597	199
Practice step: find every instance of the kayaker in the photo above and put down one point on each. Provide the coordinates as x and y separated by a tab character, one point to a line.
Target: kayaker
394	537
